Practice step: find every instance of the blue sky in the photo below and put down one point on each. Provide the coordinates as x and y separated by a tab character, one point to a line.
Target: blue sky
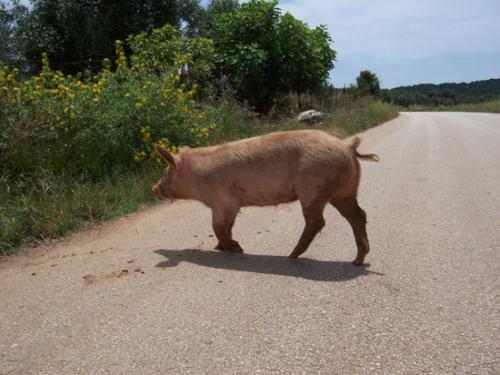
408	41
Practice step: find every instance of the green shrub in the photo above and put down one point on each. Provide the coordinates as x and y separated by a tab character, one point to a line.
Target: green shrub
265	54
93	124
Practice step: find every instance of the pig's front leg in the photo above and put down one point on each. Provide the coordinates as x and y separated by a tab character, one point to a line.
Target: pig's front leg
222	222
313	216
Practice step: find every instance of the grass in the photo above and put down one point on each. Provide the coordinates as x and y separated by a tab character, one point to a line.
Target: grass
344	116
34	211
54	207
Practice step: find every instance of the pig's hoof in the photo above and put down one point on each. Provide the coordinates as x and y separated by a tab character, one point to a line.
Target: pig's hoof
235	248
295	254
357	262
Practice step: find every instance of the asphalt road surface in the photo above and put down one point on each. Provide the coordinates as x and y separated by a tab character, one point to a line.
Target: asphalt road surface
146	294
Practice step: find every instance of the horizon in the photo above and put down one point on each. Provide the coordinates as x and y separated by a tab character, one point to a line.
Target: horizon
442	83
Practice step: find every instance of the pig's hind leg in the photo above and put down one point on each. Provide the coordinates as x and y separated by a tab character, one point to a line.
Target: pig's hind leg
222	223
356	216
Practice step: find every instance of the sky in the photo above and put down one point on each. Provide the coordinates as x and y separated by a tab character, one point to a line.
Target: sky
407	42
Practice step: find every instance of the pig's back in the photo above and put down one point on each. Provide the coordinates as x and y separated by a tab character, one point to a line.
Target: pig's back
271	149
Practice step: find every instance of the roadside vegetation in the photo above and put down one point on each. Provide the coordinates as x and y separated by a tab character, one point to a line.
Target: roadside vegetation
76	145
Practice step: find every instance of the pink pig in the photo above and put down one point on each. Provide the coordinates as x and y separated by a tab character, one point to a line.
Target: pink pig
309	165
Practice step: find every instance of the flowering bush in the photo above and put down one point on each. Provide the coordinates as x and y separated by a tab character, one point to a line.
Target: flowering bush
92	124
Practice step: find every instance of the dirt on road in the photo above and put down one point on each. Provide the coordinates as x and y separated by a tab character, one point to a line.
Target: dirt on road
145	294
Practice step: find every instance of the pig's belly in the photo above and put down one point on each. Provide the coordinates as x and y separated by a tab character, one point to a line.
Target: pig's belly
264	194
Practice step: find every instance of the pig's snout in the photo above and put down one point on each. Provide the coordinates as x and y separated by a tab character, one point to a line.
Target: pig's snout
156	191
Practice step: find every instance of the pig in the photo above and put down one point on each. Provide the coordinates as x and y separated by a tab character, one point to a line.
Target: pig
311	166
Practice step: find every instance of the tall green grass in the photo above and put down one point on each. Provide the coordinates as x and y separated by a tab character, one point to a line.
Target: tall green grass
53	206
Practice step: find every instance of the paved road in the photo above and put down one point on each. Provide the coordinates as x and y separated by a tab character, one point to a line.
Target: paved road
146	295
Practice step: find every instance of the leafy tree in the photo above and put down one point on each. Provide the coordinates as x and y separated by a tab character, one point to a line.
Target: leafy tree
192	16
368	83
9	14
248	50
216	7
5	32
265	54
78	34
197	20
306	58
222	6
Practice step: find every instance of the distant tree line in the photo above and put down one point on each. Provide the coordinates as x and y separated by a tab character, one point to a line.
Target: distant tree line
444	94
259	52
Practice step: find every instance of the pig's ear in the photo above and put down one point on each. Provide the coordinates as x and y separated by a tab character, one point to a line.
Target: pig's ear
167	156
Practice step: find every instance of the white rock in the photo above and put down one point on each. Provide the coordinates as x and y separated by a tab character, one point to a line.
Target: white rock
311	116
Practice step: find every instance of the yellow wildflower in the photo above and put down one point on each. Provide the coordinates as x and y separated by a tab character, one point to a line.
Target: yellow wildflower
139	156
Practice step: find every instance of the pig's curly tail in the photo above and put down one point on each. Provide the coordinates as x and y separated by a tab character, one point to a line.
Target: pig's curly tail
356	141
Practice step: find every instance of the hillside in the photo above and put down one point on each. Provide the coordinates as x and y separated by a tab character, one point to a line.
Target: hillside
445	93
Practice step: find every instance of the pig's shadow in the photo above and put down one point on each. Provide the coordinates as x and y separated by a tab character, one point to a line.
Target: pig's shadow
311	269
